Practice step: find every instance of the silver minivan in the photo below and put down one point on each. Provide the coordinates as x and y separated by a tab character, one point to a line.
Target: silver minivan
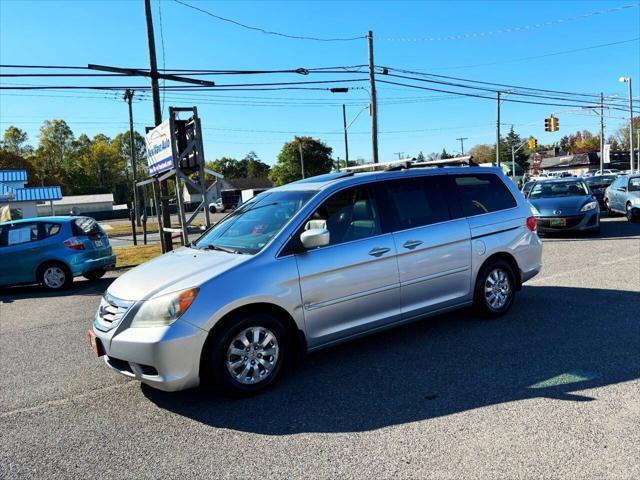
313	263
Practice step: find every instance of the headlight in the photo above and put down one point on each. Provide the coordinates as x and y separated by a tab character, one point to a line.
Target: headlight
589	206
534	210
164	310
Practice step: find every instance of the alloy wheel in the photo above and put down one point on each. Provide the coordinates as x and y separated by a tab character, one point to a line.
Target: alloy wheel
252	355
497	289
54	277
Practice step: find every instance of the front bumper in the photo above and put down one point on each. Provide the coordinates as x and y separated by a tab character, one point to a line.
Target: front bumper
574	223
167	358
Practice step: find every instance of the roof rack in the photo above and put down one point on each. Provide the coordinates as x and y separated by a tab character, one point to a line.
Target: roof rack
406	164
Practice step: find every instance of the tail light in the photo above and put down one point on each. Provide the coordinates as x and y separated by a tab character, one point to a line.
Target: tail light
74	243
526	194
531	224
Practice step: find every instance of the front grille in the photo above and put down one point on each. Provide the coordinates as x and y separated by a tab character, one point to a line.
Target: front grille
111	312
545	222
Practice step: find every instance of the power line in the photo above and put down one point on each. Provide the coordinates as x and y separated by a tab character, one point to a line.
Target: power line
268	32
521	59
522	28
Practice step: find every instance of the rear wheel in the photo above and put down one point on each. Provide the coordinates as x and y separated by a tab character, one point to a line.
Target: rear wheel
609	211
629	212
55	276
495	289
95	274
247	355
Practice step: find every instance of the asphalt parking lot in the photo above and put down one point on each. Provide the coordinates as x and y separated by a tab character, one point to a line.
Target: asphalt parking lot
550	391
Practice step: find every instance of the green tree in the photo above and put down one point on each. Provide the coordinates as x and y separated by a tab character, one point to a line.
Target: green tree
445	155
316	155
622	134
122	145
227	166
254	167
55	148
14	140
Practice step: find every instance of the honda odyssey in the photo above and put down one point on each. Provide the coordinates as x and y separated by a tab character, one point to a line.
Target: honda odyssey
313	263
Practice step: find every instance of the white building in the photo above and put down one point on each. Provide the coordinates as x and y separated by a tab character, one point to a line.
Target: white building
80	204
25	202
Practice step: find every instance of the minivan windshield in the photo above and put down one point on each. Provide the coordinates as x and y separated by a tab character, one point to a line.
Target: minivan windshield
558	189
249	228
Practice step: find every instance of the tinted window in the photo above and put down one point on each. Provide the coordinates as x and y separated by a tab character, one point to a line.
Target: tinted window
49	229
349	215
483	193
415	202
559	189
634	184
86	226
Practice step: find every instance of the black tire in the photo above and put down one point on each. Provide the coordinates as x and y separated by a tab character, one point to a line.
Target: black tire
609	211
215	374
95	274
481	304
629	213
55	276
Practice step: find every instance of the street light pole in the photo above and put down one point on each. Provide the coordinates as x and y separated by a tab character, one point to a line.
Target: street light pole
631	162
346	141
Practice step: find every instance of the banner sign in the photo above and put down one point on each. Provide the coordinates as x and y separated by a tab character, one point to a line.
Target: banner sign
159	153
607	153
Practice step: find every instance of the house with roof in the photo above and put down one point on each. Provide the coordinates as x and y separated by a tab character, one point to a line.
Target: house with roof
21	201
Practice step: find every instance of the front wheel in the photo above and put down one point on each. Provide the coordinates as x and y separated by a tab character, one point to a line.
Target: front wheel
247	355
609	211
629	211
495	289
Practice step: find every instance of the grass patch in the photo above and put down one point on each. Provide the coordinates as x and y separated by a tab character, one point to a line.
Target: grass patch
119	229
131	255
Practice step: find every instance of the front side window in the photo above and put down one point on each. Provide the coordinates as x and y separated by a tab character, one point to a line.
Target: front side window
415	202
249	228
559	189
349	215
483	193
634	184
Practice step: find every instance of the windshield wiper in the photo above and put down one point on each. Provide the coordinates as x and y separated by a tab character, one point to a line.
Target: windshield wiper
222	249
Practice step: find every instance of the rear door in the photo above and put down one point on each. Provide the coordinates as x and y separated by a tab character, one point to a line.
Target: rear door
432	240
352	284
19	254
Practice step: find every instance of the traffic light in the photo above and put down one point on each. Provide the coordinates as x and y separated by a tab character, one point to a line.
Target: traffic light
547	124
554	124
533	144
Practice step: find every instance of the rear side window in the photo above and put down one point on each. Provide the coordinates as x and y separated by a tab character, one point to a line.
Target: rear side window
483	193
50	229
414	202
22	233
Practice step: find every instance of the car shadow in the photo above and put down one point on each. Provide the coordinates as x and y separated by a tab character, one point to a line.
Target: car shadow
441	366
78	287
613	228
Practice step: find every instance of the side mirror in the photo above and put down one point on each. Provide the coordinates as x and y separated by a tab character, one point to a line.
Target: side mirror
316	237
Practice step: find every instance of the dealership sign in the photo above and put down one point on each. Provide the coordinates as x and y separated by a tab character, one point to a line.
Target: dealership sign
159	152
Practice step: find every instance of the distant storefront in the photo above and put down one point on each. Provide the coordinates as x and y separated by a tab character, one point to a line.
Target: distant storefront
18	201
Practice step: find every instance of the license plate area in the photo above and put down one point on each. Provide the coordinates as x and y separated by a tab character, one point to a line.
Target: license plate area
95	344
558	222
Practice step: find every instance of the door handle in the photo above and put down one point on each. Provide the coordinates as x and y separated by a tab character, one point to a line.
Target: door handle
411	244
378	251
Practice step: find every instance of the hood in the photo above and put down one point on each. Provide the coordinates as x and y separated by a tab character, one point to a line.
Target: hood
177	270
567	205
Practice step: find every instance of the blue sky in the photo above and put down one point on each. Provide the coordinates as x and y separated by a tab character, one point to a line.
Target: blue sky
464	39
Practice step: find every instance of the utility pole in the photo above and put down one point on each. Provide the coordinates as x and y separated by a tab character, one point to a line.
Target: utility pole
601	132
631	128
128	97
498	129
346	141
301	158
374	102
166	241
399	155
462	139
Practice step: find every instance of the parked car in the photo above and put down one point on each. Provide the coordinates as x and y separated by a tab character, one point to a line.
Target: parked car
623	196
526	188
52	251
313	263
598	184
564	204
607	171
217	206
